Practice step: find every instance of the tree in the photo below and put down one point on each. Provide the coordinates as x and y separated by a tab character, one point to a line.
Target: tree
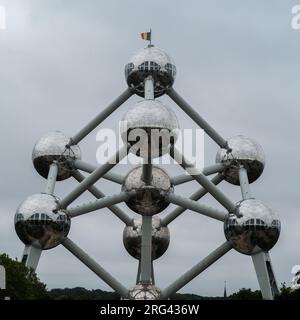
246	294
21	282
286	293
79	293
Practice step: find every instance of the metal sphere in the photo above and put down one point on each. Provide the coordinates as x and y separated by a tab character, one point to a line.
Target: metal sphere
144	292
38	225
256	230
150	61
52	147
149	199
150	127
245	152
132	238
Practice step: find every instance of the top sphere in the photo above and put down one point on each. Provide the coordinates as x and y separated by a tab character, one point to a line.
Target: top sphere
150	61
244	152
52	147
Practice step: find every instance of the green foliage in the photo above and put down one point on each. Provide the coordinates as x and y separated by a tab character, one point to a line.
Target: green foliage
21	282
79	293
286	293
191	296
246	294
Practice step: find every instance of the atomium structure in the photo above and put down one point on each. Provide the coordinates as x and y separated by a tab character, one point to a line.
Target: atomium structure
296	278
251	228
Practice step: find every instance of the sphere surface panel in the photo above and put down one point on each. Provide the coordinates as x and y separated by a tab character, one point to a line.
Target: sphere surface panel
36	224
257	229
52	147
245	152
132	238
150	61
149	199
150	127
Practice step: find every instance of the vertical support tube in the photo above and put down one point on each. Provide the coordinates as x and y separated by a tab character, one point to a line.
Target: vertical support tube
152	273
146	250
2	278
149	88
244	183
147	166
31	257
138	275
261	261
147	173
265	275
51	180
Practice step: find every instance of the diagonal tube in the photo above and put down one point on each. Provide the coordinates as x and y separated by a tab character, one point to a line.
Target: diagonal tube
98	204
98	194
202	180
101	116
215	168
197	207
197	118
195	196
86	167
95	267
93	177
196	270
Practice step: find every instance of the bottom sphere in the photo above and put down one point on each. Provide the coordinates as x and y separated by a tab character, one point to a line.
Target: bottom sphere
144	292
132	238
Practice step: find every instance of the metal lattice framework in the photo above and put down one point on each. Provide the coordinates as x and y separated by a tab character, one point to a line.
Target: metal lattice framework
42	221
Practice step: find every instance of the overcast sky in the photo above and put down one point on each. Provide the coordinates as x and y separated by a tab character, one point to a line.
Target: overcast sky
62	62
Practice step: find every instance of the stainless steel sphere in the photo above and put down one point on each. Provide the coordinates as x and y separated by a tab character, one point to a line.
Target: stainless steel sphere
150	127
36	224
149	199
51	147
246	152
256	230
132	238
150	61
144	292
